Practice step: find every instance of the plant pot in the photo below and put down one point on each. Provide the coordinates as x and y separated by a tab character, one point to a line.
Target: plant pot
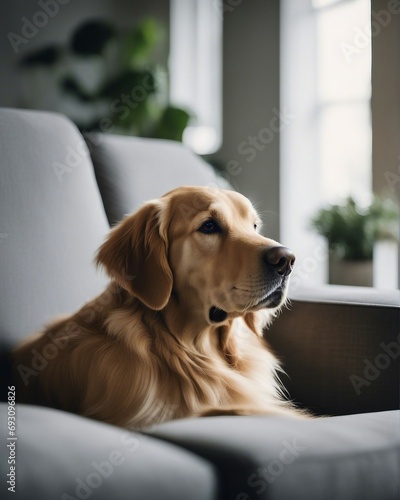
386	265
350	272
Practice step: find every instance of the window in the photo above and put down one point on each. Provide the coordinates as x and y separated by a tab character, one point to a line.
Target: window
343	99
196	69
326	150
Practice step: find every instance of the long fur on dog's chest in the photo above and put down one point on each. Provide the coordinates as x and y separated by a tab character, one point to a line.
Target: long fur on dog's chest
121	364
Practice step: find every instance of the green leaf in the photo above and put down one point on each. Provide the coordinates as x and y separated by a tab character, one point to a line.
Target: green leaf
351	231
137	85
141	42
172	123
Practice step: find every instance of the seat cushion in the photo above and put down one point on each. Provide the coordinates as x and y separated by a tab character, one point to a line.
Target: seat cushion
347	458
131	170
64	456
51	221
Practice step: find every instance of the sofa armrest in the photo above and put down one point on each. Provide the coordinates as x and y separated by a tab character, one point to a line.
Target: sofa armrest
340	349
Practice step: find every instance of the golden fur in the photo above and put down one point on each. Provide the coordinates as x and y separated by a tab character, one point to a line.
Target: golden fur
146	350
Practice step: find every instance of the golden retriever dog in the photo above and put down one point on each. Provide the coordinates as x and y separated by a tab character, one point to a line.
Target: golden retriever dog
179	330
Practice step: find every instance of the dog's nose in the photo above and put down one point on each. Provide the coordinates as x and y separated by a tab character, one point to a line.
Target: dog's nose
280	260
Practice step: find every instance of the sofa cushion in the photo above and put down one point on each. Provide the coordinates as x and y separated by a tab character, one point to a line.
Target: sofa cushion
131	170
67	457
350	457
52	220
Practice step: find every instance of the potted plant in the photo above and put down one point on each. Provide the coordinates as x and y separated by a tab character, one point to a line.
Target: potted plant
351	232
110	79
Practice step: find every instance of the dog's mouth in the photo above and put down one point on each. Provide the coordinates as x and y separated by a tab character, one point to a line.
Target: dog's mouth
272	300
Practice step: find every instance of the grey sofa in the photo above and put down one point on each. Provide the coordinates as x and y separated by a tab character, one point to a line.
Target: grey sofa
340	346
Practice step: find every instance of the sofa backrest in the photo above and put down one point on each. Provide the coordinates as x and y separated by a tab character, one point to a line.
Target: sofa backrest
51	221
132	170
53	212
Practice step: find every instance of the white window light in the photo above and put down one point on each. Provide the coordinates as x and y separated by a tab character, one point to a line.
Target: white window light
195	67
326	151
321	4
343	105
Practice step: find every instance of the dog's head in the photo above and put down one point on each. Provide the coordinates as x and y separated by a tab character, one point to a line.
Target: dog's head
202	246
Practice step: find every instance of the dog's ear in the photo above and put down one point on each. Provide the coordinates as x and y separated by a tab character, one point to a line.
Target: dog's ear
135	255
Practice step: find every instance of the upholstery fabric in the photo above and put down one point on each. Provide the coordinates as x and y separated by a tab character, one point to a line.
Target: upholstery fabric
131	170
340	349
63	456
348	458
52	221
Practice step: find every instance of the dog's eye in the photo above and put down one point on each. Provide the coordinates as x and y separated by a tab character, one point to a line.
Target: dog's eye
255	227
209	227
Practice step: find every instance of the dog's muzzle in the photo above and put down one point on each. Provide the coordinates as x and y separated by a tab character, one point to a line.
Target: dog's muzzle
280	260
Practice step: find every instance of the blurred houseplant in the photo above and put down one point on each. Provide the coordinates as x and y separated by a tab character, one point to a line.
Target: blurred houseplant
108	80
351	232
